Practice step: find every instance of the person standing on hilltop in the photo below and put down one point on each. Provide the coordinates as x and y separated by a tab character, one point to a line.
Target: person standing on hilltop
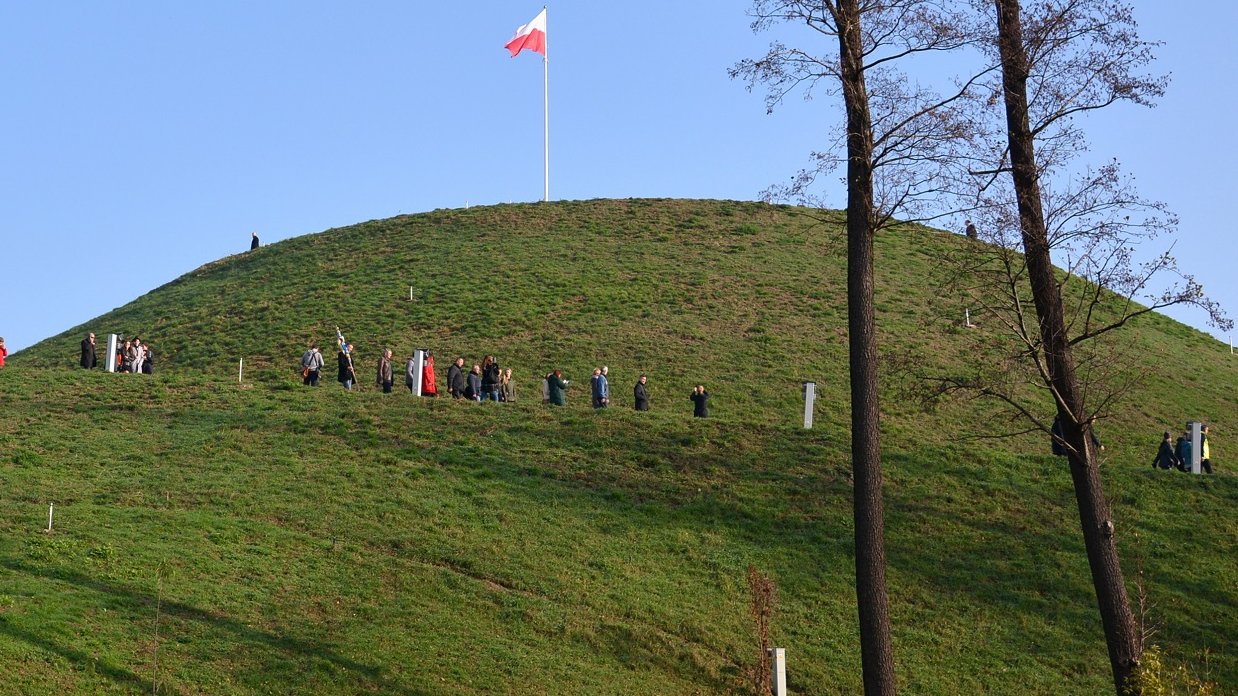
385	379
700	402
556	388
253	243
139	356
455	378
639	394
89	359
148	360
347	375
970	230
4	351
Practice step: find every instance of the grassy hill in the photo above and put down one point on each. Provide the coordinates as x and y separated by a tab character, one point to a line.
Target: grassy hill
216	537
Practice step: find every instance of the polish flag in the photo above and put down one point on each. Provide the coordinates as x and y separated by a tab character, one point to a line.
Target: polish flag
531	36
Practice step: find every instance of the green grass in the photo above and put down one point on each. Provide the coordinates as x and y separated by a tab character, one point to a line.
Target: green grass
286	540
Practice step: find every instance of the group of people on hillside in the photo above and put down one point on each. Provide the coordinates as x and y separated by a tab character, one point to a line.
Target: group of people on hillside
485	381
1178	455
554	391
134	356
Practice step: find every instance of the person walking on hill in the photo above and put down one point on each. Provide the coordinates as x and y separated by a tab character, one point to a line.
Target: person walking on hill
455	379
556	388
311	365
640	395
89	359
1183	451
384	377
472	392
700	402
253	242
507	390
490	378
346	376
601	388
1165	457
429	383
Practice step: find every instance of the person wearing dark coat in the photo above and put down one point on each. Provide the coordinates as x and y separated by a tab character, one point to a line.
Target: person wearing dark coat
1183	452
491	376
1165	457
347	375
639	394
89	359
148	363
700	402
253	243
472	392
557	387
455	379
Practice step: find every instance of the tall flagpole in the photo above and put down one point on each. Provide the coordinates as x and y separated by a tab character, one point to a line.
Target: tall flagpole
546	112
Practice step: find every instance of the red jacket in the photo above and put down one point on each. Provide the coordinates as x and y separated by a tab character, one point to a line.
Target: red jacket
3	353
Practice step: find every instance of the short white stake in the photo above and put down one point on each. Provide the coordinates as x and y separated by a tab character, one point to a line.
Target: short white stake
967	318
778	671
240	369
50	509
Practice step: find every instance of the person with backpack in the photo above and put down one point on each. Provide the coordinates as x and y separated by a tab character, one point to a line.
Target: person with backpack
1165	457
311	364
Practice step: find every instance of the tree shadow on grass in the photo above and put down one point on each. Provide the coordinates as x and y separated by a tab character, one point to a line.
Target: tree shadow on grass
302	651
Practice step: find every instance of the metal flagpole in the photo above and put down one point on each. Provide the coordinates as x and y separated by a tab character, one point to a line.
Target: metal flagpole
546	111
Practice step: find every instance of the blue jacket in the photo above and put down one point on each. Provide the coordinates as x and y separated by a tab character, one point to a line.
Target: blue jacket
601	388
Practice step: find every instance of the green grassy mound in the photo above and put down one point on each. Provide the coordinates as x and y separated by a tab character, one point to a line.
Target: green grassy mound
216	537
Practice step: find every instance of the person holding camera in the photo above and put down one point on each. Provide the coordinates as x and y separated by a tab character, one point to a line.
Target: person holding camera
700	402
557	387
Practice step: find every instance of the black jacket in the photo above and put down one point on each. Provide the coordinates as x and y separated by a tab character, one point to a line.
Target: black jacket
89	361
490	377
642	398
345	368
455	380
1165	457
700	404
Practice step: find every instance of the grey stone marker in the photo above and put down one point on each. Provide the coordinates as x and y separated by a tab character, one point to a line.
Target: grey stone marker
1196	429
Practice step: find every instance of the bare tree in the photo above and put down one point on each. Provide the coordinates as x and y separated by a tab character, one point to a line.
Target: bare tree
897	139
1062	60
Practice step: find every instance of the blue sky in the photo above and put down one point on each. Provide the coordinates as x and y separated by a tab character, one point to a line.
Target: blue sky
144	139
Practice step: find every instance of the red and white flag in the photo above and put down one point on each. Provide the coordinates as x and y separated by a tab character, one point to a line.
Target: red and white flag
531	36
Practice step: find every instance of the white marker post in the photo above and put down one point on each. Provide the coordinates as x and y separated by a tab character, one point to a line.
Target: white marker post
50	509
410	293
810	395
240	370
112	340
967	319
778	671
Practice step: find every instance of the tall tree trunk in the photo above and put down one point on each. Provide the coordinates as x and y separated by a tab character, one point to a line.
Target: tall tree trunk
876	650
1121	633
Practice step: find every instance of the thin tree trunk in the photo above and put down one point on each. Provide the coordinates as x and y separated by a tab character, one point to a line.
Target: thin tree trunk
876	650
1121	634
